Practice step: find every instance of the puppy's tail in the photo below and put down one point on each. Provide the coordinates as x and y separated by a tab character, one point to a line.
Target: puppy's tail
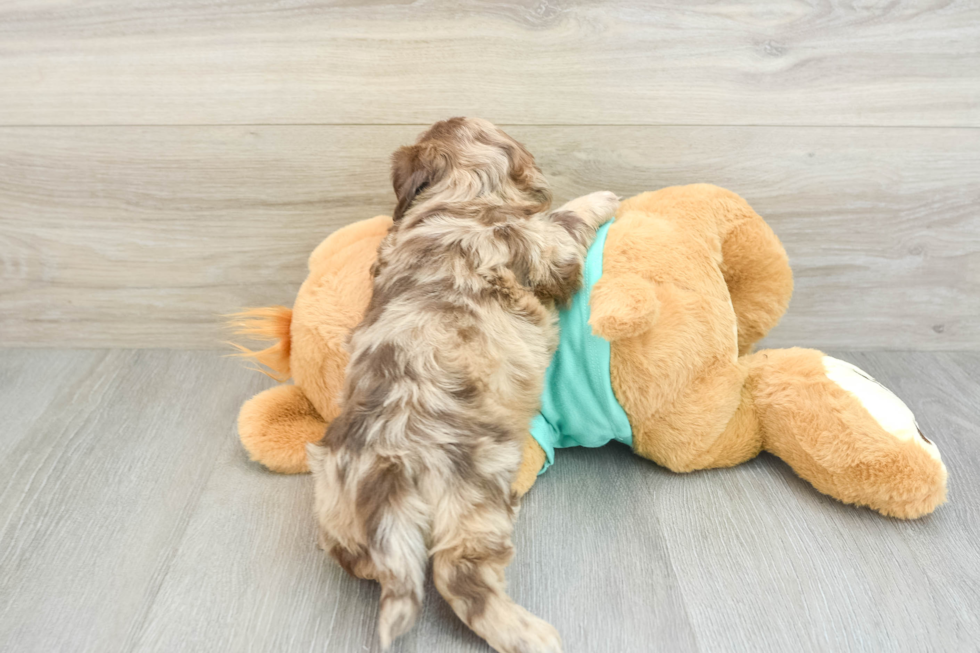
399	552
400	602
268	323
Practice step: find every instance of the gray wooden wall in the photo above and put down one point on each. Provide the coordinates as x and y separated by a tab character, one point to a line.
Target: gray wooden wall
163	162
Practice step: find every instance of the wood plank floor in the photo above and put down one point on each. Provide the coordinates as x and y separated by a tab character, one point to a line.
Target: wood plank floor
130	520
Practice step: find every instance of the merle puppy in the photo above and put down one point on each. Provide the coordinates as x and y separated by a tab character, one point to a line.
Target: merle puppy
445	375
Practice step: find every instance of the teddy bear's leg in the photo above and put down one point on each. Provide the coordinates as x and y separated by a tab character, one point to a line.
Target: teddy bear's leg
844	432
275	425
710	423
755	267
532	460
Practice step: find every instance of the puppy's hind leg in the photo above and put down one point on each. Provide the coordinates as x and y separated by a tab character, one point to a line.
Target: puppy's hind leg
374	523
472	547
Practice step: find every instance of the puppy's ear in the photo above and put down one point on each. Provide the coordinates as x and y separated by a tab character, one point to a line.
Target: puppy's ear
411	173
521	161
526	174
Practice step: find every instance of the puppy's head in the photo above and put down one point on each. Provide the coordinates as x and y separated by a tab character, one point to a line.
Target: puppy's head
464	158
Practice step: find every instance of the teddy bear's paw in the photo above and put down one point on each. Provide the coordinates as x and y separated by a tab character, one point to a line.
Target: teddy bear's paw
882	404
275	425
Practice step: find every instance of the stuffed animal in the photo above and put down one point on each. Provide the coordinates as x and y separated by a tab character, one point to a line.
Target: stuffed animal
654	352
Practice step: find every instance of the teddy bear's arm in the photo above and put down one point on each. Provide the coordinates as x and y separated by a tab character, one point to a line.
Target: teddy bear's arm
624	303
623	306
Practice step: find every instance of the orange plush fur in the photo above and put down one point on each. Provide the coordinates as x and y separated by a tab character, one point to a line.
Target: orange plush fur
276	424
692	278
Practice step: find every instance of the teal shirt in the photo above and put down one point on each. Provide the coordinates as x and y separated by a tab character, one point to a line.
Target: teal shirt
578	407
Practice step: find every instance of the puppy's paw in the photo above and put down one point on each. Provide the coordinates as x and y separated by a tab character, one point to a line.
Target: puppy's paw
539	637
595	208
605	204
533	635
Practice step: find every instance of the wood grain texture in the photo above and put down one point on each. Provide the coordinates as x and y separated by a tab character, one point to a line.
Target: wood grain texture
103	456
130	520
813	574
142	237
516	62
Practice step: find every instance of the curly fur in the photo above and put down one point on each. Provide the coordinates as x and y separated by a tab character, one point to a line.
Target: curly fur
445	375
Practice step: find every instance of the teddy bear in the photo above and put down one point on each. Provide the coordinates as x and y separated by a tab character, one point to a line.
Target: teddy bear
655	351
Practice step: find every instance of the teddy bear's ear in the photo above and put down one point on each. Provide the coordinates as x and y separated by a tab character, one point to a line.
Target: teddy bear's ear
623	306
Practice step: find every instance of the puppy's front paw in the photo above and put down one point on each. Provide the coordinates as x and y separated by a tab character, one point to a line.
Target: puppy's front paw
596	208
605	204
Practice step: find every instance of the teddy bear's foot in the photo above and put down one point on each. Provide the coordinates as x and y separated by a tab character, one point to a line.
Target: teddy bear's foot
275	425
845	433
532	460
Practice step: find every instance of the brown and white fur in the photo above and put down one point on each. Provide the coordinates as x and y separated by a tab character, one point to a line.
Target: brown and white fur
445	376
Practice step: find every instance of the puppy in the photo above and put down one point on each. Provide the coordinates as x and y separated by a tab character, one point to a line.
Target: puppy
444	377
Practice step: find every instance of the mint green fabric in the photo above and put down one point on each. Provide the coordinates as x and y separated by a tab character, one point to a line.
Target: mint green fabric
578	407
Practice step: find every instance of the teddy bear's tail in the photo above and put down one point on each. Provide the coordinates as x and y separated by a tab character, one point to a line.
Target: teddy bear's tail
267	323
